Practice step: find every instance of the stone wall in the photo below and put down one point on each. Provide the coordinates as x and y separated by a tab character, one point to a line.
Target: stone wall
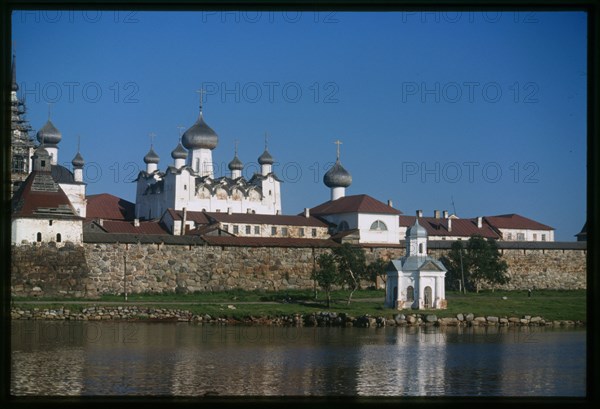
110	268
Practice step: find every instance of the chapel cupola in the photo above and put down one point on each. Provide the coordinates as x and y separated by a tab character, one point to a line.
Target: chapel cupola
337	178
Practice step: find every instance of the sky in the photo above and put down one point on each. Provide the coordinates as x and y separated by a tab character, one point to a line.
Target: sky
477	113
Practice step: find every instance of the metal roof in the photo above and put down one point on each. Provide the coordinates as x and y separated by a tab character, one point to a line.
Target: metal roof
235	164
337	176
151	156
414	263
109	207
179	152
515	221
265	158
49	135
200	136
353	204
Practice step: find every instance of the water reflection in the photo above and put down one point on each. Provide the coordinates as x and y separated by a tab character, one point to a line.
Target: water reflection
106	358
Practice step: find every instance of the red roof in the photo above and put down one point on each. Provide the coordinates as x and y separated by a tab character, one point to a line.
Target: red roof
275	219
460	227
123	226
196	217
267	241
40	196
109	207
515	221
353	204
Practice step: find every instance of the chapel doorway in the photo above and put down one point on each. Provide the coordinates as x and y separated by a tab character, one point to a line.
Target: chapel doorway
428	297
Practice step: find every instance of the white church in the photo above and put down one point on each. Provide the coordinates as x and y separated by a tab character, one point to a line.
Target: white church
189	182
416	280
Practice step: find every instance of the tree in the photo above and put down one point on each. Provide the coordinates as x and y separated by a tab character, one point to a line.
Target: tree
351	266
326	275
480	262
377	269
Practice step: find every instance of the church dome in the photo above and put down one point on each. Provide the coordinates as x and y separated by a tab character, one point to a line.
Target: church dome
179	152
265	158
77	161
200	136
337	176
235	164
49	135
416	230
151	157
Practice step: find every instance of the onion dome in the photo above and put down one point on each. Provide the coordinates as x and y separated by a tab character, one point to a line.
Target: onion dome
179	152
151	156
49	135
235	164
200	136
265	158
337	176
416	230
77	161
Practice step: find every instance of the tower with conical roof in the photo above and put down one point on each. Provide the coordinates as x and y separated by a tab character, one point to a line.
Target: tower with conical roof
22	145
337	178
200	140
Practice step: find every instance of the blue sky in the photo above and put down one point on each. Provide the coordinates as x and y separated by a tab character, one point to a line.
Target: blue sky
487	109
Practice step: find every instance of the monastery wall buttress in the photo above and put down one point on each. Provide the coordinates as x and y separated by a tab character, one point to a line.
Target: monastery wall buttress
107	268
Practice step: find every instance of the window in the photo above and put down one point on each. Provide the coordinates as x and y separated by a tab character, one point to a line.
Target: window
43	163
248	229
18	164
543	237
184	187
509	236
39	236
236	229
420	247
273	231
314	232
284	231
378	225
226	227
256	229
521	236
270	193
58	238
49	222
410	293
343	226
534	237
301	232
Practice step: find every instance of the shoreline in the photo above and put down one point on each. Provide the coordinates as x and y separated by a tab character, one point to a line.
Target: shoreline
133	313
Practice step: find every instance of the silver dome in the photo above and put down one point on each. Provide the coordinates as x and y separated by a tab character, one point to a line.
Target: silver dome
235	164
77	161
179	152
200	136
337	176
49	135
265	158
416	230
151	157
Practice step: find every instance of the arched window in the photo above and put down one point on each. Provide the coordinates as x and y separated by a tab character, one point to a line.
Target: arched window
343	226
58	237
420	247
39	237
378	225
410	293
428	297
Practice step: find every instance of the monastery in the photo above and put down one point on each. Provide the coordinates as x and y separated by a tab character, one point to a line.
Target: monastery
187	198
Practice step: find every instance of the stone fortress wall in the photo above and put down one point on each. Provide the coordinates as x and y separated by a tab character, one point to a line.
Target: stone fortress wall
97	268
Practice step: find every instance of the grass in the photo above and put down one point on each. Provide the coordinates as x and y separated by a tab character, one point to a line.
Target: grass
551	305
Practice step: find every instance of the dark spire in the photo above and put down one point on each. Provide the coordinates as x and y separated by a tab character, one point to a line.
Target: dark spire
13	68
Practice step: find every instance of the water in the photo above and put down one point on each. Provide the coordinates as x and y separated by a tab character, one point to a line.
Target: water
107	358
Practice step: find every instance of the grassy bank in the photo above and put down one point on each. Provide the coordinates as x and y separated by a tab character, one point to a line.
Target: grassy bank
551	305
